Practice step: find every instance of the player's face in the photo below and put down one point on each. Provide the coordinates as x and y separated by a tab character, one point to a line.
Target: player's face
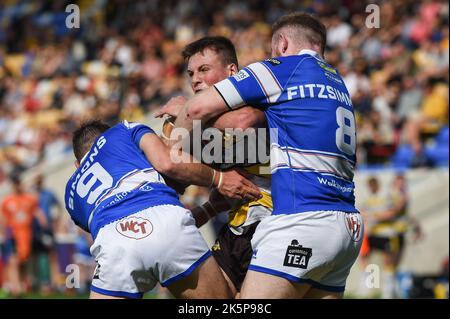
206	68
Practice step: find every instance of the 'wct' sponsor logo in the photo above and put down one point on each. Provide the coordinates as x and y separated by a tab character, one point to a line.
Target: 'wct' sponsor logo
134	227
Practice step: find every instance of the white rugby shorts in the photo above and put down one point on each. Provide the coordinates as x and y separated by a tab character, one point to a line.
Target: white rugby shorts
318	248
158	244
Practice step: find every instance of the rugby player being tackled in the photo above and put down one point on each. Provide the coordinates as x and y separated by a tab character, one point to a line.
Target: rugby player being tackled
209	61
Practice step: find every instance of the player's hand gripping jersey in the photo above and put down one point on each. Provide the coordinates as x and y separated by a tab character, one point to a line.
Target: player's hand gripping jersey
100	191
313	153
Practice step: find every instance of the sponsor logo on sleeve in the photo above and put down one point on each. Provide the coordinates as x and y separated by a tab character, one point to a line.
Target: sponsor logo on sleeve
241	75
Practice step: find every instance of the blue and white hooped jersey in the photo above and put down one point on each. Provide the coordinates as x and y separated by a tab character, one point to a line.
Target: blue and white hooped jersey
115	180
313	136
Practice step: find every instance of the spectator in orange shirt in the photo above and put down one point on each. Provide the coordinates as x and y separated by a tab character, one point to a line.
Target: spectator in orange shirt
18	210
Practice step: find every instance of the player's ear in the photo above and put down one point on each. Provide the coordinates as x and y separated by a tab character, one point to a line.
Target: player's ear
77	164
232	69
279	45
284	43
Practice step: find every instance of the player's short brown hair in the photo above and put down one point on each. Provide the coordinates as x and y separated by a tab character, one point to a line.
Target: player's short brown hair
316	31
85	135
221	45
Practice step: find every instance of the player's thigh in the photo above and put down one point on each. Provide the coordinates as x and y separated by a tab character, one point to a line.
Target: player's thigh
230	284
258	285
206	281
315	293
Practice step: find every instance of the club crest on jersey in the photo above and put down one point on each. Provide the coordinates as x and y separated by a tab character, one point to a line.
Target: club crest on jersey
353	223
134	227
297	255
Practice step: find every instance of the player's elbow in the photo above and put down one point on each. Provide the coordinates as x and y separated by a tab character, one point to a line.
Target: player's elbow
195	112
166	167
170	164
200	110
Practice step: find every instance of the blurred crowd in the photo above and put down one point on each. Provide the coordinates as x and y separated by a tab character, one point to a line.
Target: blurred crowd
124	62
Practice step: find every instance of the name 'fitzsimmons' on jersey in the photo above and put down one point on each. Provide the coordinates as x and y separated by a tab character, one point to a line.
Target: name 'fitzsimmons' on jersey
115	180
312	156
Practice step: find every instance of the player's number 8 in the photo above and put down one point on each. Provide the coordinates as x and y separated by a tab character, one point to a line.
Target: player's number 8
97	173
346	132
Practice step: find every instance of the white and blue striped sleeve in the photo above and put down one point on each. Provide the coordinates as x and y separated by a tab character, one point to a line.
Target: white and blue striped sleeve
254	85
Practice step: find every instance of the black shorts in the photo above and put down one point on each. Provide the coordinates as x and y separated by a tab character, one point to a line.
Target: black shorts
43	241
391	244
233	253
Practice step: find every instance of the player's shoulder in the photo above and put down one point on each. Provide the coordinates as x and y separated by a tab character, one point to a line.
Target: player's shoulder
277	63
120	129
279	66
278	69
134	125
129	125
287	61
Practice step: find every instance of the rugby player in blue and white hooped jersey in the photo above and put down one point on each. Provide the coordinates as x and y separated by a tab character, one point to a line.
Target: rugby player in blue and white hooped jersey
307	247
142	234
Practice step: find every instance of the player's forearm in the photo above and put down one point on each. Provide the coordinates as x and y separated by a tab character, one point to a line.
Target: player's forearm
202	214
189	172
203	107
175	163
243	118
196	174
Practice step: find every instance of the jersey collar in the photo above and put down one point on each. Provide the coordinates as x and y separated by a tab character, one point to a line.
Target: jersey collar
84	157
310	52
